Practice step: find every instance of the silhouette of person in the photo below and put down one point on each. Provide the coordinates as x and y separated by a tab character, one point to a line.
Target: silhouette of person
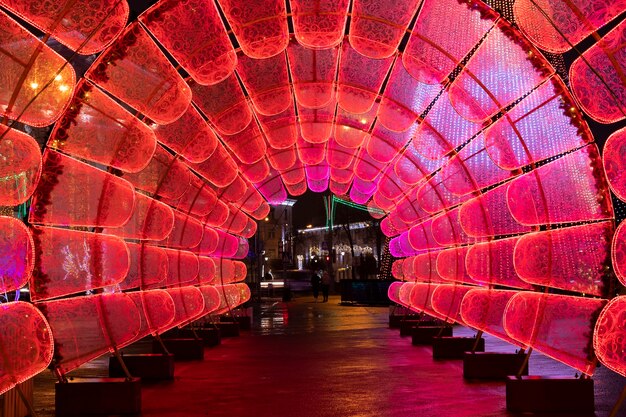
315	285
325	285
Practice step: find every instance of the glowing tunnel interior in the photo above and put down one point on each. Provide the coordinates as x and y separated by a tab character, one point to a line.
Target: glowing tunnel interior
442	116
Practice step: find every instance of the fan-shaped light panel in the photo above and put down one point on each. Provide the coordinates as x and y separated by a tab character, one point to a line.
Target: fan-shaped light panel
319	25
17	254
20	166
608	338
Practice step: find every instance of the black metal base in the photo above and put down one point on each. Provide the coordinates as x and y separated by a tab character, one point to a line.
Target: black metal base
423	335
97	396
493	366
147	366
536	394
229	329
455	347
182	349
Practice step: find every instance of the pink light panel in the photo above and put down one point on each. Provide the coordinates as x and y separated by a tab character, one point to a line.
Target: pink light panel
20	166
77	24
421	300
313	72
72	193
557	26
618	253
602	98
493	263
37	83
87	327
608	336
69	261
446	300
614	158
319	25
17	254
198	40
98	129
151	220
559	326
136	71
25	344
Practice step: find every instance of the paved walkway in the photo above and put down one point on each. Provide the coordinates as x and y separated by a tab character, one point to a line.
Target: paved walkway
306	359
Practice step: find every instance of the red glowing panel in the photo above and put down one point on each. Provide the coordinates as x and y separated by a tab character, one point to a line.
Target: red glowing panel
572	188
488	215
411	167
447	231
386	226
247	145
618	253
404	99
320	24
484	310
267	83
451	265
220	169
446	300
188	304
164	176
390	188
281	129
394	292
257	171
425	268
16	254
243	248
198	40
234	191
358	196
556	26
316	125
492	263
380	203
26	344
186	232
37	82
223	104
366	167
199	199
313	74
608	337
297	189
148	267
434	196
218	215
437	45
98	129
337	188
261	212
232	296
442	130
519	138
79	25
227	271
339	156
310	153
156	309
73	193
408	211
397	269
358	88
282	159
20	166
345	175
614	158
250	229
136	71
573	258
151	220
365	187
422	298
559	326
261	29
211	300
87	327
69	261
499	72
182	268
377	26
294	174
351	130
602	98
206	273
210	240
251	200
190	136
472	169
384	144
273	189
236	222
421	236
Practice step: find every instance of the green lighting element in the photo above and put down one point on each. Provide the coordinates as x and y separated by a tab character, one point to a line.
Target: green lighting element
357	206
331	204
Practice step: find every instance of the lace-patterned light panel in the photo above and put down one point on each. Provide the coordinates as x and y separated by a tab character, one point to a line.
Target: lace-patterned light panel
20	166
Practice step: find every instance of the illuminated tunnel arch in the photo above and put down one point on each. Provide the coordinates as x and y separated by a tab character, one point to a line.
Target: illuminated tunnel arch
180	135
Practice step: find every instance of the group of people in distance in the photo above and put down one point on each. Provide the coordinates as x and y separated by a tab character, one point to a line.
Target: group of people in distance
320	279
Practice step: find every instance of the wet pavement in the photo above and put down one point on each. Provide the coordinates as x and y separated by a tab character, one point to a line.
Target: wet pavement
307	359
